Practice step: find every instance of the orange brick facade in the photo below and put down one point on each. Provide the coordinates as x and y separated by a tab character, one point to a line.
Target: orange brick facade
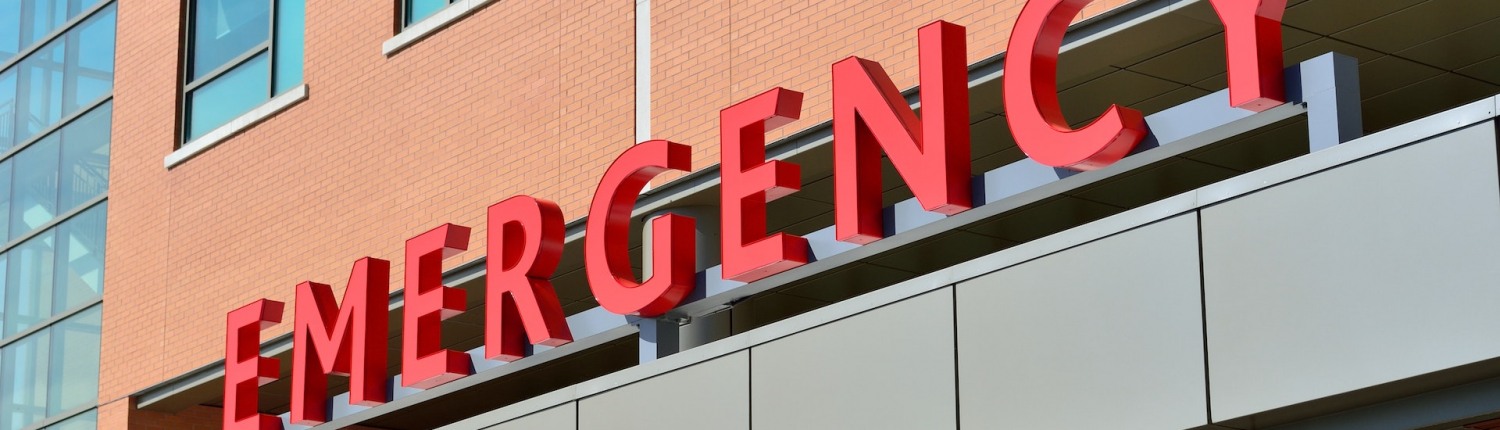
518	98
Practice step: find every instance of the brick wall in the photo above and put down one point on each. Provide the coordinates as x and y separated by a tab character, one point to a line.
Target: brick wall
521	97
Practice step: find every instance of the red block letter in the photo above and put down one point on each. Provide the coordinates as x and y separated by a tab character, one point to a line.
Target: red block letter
749	181
349	341
606	257
1031	105
245	370
525	242
424	362
869	114
1252	39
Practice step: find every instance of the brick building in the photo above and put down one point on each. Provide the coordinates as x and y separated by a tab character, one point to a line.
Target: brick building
1198	283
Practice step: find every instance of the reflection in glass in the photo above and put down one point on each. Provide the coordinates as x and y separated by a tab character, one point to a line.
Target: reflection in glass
228	96
51	371
7	109
10	40
74	378
28	284
92	67
3	318
34	191
40	94
57	80
226	29
38	18
5	178
85	158
80	260
23	389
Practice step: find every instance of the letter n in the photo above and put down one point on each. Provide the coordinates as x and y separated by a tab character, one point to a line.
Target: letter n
931	154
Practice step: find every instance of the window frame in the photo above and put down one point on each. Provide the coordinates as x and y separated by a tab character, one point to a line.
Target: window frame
186	83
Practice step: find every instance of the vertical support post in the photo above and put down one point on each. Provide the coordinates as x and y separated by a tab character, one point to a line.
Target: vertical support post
659	337
664	336
1330	90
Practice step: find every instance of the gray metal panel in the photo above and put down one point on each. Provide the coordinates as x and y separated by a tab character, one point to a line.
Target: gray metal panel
1105	335
889	368
560	417
714	394
1371	272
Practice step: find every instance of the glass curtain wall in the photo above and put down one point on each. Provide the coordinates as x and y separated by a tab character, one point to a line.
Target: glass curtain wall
56	81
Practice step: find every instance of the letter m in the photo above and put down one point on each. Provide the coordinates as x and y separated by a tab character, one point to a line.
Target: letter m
349	341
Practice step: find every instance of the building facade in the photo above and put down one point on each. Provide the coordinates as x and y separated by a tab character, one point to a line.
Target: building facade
1316	262
56	80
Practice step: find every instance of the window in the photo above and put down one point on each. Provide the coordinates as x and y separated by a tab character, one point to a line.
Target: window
415	10
240	53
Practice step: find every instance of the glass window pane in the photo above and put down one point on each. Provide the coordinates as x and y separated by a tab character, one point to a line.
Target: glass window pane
40	94
7	109
10	21
91	59
80	260
74	378
39	17
34	188
23	388
289	29
5	176
29	284
228	96
85	158
3	294
84	421
226	29
418	9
